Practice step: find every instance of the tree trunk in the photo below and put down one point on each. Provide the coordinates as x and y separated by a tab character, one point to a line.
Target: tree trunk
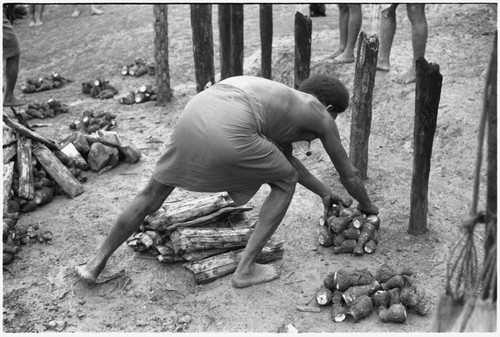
186	240
217	266
303	33
25	168
364	81
266	39
163	90
237	42
428	93
203	45
224	19
60	173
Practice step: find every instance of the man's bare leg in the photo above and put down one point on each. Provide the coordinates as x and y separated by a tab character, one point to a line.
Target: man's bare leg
148	201
416	14
387	31
354	26
273	210
11	73
343	29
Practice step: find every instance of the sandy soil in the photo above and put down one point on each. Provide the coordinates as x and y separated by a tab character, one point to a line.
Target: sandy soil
40	285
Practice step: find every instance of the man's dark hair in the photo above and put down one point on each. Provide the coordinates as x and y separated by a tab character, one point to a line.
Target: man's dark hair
328	90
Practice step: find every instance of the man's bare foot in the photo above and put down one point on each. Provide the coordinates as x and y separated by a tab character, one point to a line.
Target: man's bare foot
31	24
75	13
83	273
383	66
336	53
38	23
261	274
12	102
407	78
344	58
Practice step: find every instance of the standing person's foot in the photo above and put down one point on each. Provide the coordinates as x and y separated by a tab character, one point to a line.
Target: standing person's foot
344	58
336	53
406	78
383	66
95	11
75	13
32	23
12	102
38	23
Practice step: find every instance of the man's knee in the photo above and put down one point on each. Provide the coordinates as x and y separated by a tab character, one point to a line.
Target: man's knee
416	13
289	181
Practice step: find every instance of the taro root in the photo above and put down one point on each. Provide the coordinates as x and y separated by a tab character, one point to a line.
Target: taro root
346	247
338	240
414	300
374	220
355	292
361	308
323	296
343	279
329	281
43	195
370	247
338	311
325	239
394	295
7	258
366	232
46	236
397	281
334	210
384	273
381	299
396	313
359	221
351	233
338	225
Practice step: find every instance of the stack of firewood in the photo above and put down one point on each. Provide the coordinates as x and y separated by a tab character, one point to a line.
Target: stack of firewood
139	68
357	293
99	88
145	93
92	121
349	231
48	109
43	83
208	234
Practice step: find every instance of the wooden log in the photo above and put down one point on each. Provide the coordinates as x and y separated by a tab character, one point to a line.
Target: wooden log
60	173
203	45
217	266
364	81
25	168
210	219
9	136
193	239
237	43
266	39
8	174
428	93
190	210
224	24
9	152
203	254
22	130
302	61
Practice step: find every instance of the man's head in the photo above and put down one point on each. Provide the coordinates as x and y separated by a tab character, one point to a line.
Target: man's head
328	90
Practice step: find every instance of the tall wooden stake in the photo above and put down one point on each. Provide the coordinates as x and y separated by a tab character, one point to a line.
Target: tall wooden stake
266	39
237	43
203	44
364	81
303	33
164	91
428	93
224	23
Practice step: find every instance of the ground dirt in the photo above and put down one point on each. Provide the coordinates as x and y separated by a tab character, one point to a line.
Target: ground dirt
40	286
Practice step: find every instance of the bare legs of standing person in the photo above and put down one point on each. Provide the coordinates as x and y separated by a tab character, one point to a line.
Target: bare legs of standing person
350	20
11	73
93	11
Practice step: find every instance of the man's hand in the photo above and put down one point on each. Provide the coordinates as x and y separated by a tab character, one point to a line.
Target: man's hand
334	198
372	209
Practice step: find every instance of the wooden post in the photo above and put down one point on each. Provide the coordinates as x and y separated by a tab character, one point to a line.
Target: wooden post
428	93
8	173
60	173
490	105
25	168
364	81
266	39
164	91
237	44
303	33
224	22
203	44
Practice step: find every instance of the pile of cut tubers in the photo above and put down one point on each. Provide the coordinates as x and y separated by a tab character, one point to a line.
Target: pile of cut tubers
43	83
48	109
99	88
349	231
144	93
93	121
139	68
357	293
